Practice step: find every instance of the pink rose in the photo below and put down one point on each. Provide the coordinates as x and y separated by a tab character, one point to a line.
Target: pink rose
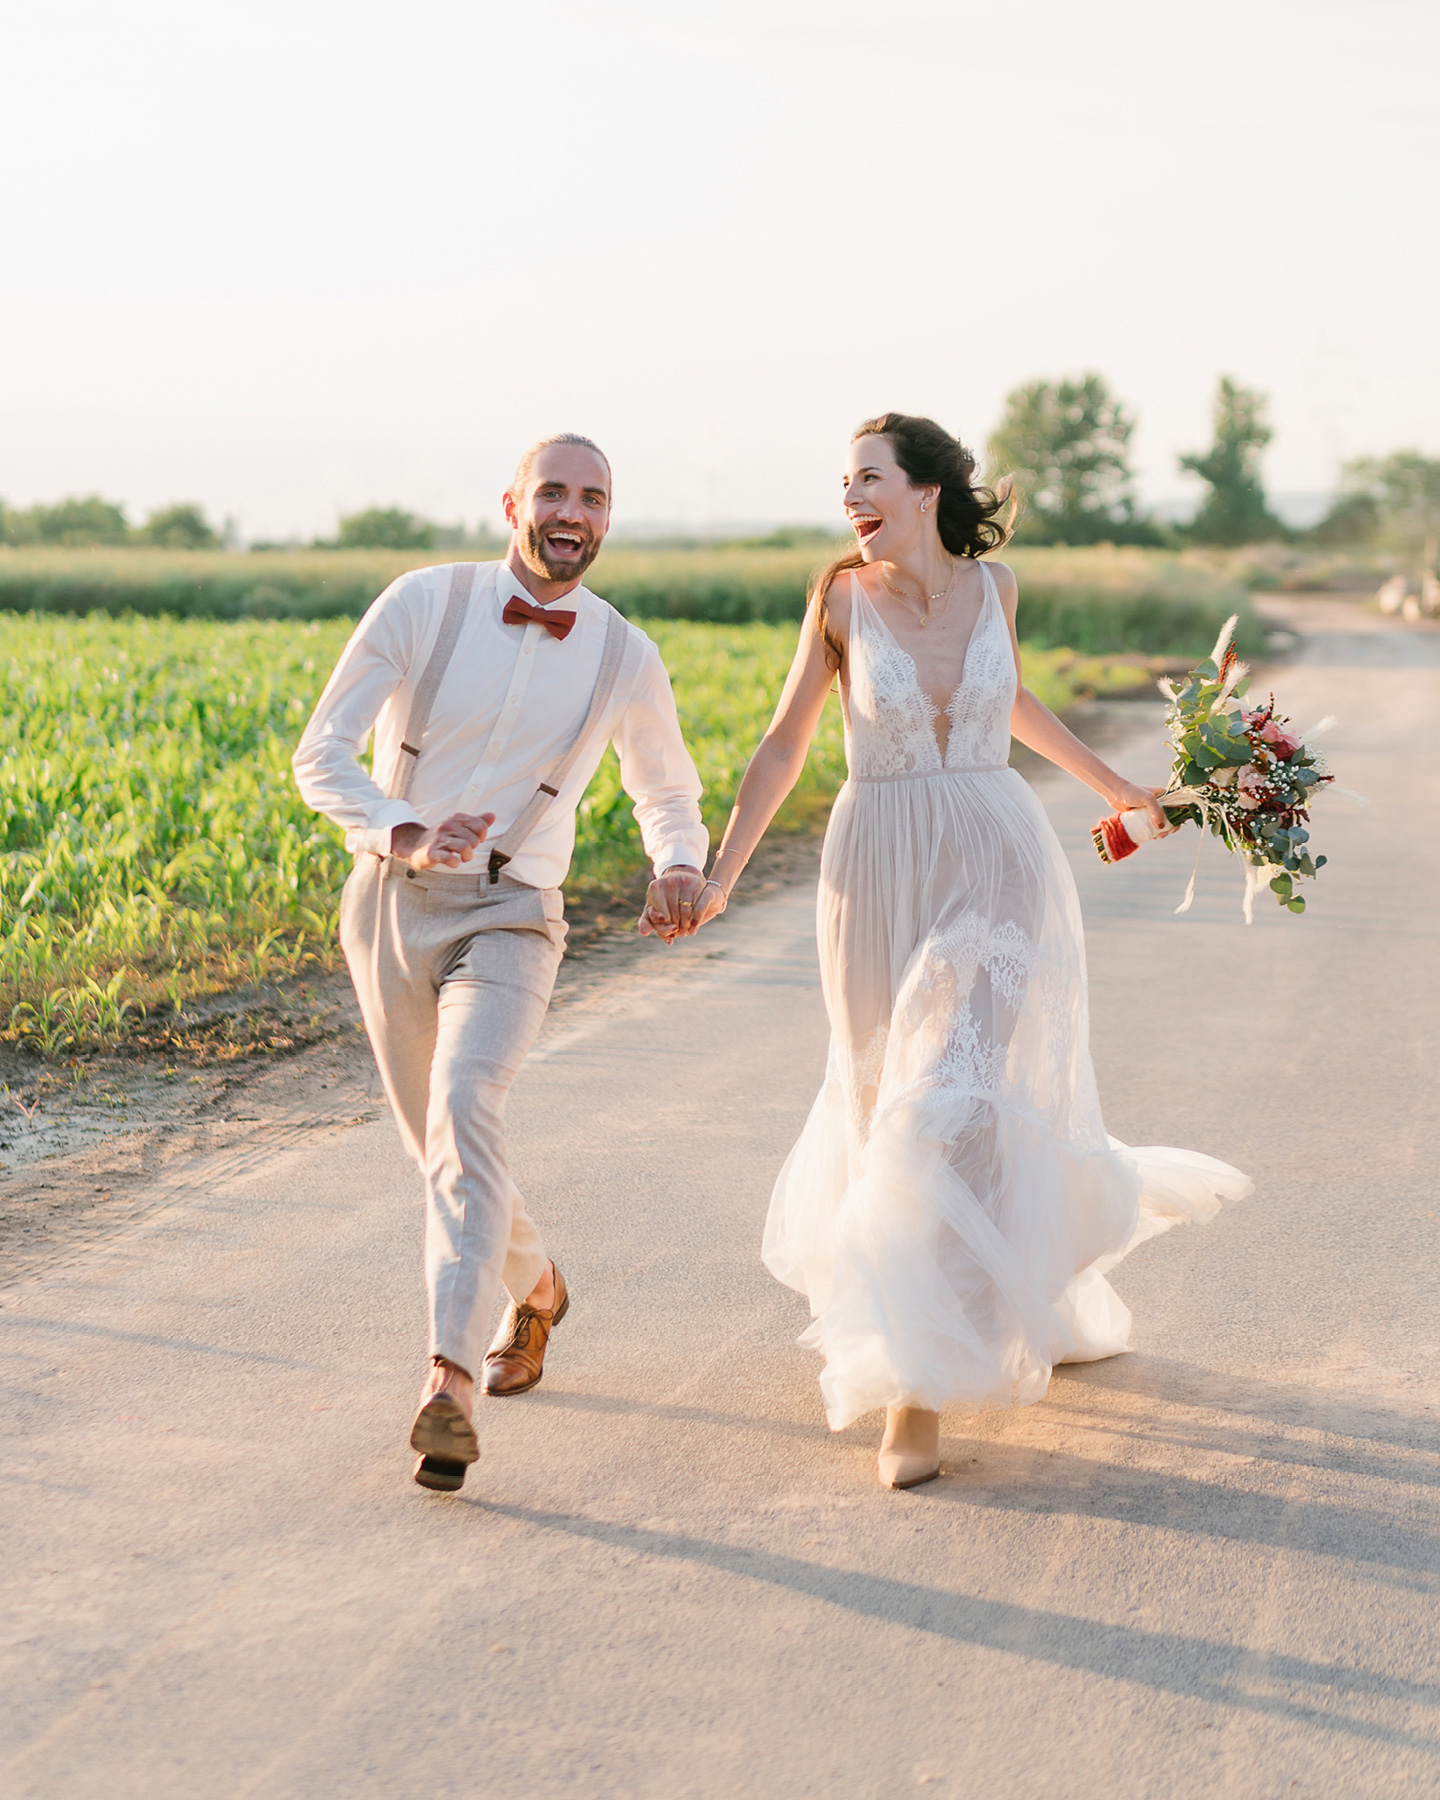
1280	740
1251	787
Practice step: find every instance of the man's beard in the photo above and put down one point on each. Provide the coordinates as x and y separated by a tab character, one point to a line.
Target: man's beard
539	561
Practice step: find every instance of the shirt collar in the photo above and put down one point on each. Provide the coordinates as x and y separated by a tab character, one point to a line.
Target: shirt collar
508	588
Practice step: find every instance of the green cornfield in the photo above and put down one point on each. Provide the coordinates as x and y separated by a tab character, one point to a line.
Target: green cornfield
153	848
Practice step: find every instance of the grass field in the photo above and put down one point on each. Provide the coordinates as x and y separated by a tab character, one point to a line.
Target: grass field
153	848
1094	600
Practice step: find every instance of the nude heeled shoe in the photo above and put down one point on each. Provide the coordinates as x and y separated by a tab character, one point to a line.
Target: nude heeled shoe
910	1449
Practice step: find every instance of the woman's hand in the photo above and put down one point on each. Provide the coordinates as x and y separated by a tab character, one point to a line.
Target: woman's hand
711	904
1130	796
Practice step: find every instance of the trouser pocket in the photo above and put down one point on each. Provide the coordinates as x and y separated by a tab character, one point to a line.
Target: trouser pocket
553	902
352	901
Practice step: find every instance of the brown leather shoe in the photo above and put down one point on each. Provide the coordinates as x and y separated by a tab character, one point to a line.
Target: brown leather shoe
516	1360
443	1433
440	1475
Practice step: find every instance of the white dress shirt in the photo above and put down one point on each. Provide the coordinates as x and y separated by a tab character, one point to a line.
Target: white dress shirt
511	704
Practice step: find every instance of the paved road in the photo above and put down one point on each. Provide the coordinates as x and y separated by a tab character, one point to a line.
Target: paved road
1206	1568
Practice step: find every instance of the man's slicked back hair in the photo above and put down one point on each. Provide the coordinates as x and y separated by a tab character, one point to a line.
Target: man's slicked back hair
527	460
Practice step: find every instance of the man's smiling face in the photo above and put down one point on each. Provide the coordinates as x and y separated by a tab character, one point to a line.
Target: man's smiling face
562	513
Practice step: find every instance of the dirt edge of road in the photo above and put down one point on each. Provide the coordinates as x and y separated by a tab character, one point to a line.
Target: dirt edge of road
90	1148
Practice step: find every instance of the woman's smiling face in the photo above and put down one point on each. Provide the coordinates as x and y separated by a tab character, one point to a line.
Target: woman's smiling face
882	507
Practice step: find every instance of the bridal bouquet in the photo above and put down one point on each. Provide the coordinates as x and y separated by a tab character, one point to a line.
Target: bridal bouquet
1242	774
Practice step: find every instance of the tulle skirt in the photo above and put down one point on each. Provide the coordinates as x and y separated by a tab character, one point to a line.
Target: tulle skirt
953	1202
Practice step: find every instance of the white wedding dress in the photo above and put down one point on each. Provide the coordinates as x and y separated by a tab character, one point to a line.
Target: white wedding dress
954	1201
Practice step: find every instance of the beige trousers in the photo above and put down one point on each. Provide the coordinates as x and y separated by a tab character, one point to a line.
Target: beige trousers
453	977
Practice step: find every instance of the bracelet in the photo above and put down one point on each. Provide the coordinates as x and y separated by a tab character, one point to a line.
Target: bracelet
724	896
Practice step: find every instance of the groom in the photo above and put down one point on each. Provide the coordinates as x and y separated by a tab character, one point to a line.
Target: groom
491	704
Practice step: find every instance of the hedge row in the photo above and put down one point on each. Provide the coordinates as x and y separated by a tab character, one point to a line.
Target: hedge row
1094	600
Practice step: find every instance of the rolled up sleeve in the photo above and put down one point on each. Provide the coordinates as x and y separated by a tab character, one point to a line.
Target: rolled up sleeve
658	772
326	763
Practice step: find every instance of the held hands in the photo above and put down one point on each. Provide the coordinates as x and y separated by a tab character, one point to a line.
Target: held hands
1130	796
712	902
673	904
450	843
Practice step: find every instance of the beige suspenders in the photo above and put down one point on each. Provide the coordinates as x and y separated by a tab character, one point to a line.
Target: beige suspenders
509	843
462	581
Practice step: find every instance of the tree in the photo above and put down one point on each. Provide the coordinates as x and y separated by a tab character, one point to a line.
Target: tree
182	526
76	522
1398	496
385	528
1067	442
1235	509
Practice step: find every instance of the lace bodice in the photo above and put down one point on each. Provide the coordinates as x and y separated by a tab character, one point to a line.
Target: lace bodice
891	728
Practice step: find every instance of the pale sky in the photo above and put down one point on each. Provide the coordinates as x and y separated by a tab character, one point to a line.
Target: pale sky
292	259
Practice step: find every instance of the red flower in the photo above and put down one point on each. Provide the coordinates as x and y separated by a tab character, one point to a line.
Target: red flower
1280	741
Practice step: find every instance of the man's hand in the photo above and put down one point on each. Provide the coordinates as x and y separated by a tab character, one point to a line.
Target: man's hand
446	847
672	903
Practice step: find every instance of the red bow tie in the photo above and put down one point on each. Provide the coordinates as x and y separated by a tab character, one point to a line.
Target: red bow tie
525	612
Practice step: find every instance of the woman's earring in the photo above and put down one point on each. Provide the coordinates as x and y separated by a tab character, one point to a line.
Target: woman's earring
923	505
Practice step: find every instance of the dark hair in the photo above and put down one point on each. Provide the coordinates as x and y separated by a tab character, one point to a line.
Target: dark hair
972	520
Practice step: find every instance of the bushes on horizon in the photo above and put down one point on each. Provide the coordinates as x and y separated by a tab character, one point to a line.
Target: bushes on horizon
69	524
386	528
92	522
1391	499
179	527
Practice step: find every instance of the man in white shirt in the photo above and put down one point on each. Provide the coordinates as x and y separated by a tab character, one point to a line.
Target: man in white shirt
453	930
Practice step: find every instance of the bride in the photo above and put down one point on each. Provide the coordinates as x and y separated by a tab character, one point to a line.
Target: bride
953	1202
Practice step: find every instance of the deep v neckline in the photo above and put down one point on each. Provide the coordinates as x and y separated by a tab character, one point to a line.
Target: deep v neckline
936	711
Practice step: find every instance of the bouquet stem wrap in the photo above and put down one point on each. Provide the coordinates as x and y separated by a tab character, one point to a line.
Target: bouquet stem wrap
1122	834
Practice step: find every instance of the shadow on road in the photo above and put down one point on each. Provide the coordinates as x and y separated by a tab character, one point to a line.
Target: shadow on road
1124	1465
1287	1687
189	1346
1367	1424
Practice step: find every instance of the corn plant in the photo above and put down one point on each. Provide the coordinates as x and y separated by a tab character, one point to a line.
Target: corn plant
153	848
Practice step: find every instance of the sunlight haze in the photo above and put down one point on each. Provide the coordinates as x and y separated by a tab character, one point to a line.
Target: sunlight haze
293	260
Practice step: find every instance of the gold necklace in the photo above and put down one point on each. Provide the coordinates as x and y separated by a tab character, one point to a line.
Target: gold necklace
924	618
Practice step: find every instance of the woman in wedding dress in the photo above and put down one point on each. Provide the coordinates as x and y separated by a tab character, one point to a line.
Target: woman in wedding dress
953	1202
